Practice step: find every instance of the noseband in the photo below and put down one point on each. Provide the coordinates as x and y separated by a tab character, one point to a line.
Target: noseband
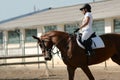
44	47
49	50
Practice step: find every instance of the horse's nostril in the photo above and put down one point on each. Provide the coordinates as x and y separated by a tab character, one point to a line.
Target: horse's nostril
47	58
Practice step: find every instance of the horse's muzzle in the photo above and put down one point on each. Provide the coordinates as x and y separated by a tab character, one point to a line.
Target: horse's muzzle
48	57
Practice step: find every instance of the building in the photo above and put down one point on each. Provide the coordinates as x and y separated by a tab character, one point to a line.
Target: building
15	33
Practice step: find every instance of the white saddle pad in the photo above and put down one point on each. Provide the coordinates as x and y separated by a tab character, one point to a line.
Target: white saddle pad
97	42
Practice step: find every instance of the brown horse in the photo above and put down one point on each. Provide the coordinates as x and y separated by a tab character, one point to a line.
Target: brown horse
74	56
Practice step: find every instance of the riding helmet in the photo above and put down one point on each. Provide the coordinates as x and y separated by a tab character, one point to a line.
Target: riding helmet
86	6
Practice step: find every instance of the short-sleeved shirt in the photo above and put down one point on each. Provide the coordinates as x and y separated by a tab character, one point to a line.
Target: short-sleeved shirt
89	26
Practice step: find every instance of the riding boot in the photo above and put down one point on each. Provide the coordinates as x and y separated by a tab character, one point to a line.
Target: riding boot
88	49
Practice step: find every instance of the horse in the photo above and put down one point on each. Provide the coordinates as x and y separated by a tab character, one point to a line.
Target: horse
74	56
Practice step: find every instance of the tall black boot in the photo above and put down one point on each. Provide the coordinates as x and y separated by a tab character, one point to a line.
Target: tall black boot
88	49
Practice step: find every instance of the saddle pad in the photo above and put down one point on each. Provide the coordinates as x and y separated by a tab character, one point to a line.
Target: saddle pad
97	42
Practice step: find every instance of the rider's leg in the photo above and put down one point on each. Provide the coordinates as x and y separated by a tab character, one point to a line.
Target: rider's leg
87	45
85	35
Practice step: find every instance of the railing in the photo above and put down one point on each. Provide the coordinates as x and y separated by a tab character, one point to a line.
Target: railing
21	63
21	50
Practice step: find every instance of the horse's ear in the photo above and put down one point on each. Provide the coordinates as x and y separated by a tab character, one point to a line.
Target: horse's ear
36	38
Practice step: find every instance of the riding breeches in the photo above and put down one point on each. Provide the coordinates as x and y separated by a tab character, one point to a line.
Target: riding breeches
86	34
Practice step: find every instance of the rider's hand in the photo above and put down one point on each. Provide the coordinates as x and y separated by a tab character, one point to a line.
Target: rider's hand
77	30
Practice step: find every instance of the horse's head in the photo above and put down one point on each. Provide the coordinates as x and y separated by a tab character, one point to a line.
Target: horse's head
60	39
45	44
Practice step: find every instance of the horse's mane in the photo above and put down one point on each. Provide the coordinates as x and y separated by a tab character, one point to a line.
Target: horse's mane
50	34
53	33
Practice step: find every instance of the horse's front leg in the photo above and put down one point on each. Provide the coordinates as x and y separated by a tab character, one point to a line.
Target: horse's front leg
71	72
88	72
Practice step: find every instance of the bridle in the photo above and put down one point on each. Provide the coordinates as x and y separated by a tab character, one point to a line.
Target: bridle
50	50
42	45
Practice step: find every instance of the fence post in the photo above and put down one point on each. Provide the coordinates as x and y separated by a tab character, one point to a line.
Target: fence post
38	54
6	50
5	44
23	50
22	42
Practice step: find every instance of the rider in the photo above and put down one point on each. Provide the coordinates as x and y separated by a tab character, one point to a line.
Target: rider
86	27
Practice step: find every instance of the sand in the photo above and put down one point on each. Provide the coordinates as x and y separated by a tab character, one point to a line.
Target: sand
57	73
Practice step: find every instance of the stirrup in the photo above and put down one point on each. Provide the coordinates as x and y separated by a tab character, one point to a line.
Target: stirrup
89	53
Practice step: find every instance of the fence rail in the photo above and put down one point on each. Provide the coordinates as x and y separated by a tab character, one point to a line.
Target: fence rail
26	56
21	63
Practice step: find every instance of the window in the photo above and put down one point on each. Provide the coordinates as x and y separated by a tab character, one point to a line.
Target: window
50	28
1	37
98	27
69	28
29	33
13	37
117	25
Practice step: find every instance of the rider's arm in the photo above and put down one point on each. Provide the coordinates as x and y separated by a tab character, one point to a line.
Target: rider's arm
86	22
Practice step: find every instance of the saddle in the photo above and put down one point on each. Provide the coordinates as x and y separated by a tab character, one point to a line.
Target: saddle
89	40
87	43
93	42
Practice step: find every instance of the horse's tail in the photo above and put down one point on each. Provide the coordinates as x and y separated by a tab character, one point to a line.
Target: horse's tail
116	58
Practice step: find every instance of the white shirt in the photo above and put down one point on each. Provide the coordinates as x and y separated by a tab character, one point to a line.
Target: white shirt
89	26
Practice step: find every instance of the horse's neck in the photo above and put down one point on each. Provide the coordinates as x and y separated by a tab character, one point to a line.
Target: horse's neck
61	42
67	45
64	42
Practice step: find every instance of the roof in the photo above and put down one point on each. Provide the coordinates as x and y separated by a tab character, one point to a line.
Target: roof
24	15
69	14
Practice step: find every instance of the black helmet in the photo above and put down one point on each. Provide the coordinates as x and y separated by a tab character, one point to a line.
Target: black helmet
86	6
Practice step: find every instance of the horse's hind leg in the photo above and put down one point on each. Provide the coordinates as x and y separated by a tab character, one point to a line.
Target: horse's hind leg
116	58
